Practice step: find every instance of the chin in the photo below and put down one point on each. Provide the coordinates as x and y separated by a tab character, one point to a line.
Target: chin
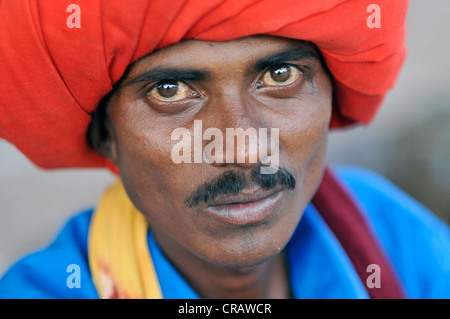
249	250
244	261
235	247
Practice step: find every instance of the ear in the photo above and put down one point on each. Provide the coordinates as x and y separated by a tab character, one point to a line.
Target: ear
101	135
111	149
110	145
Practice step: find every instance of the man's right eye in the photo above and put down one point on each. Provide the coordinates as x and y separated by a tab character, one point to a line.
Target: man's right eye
170	91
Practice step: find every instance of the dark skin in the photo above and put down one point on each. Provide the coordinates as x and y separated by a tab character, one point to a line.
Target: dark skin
260	82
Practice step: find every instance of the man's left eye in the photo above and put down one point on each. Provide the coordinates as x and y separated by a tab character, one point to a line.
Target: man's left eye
281	76
170	91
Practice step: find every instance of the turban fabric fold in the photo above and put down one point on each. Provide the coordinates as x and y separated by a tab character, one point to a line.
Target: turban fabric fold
52	77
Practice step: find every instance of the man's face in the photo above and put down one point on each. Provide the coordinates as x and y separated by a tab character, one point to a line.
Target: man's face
227	214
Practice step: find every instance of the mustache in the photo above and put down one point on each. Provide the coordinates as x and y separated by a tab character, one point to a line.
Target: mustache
232	182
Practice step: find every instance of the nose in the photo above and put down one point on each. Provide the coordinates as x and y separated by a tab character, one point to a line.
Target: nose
241	133
241	146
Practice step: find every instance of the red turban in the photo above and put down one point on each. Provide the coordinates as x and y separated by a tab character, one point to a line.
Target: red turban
53	76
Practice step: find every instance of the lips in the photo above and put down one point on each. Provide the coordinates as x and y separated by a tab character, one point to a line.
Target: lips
245	208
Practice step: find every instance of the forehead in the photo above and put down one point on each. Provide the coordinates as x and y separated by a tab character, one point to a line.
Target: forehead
209	54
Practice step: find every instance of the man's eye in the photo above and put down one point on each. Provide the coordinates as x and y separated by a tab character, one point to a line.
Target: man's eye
170	91
281	76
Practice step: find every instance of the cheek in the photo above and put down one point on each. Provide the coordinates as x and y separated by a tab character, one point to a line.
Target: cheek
307	139
303	140
303	136
144	159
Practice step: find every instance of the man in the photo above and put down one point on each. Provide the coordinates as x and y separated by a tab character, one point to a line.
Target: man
142	88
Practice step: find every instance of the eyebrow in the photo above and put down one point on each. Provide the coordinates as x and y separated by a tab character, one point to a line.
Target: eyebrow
169	73
291	54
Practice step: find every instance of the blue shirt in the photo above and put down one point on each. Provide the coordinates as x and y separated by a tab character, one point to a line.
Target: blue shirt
417	242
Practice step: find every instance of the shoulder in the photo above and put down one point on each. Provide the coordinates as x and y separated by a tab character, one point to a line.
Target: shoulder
47	272
414	238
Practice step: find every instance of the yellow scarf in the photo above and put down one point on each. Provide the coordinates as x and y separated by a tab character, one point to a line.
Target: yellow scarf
119	257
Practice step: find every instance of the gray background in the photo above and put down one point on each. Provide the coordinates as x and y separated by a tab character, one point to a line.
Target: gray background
408	142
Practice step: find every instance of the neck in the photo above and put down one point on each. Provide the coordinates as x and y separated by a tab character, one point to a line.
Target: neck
268	280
